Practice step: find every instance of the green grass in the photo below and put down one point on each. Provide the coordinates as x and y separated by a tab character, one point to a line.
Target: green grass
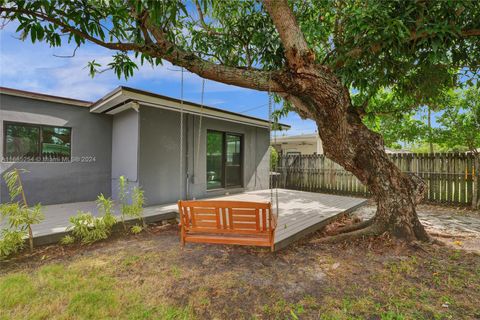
79	291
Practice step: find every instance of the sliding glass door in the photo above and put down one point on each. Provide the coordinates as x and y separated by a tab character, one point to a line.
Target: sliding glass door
224	160
233	160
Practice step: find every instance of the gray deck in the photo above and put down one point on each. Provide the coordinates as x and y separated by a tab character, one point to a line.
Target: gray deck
300	213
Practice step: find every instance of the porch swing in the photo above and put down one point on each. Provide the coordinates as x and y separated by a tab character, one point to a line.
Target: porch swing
223	221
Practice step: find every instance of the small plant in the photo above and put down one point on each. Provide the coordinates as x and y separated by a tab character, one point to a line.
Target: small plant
105	208
90	229
136	229
18	215
135	209
67	240
11	242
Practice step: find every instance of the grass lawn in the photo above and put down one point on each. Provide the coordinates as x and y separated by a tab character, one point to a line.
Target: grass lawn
150	277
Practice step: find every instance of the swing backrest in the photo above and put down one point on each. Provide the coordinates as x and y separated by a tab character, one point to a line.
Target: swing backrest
238	217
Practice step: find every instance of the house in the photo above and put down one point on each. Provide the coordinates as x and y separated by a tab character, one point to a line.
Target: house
307	144
298	144
74	150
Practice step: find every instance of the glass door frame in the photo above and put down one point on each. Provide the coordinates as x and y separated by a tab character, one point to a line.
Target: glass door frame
224	158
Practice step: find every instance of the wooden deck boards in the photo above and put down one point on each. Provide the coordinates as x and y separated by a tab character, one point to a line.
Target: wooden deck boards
300	213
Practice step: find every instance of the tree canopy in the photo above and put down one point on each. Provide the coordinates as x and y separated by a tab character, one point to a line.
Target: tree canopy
456	117
414	48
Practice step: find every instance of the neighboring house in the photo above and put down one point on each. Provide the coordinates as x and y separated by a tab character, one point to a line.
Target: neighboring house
74	150
298	145
306	144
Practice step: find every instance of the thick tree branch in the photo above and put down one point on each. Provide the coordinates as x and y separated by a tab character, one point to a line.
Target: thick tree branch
297	52
243	77
164	49
470	33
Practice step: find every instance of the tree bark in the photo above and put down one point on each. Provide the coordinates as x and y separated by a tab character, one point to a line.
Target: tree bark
347	141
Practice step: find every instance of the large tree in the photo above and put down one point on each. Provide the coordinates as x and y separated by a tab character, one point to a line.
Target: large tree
311	53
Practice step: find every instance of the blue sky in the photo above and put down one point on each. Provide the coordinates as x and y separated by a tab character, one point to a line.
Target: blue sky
34	67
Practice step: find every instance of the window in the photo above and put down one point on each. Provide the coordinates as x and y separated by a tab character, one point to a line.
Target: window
224	160
33	143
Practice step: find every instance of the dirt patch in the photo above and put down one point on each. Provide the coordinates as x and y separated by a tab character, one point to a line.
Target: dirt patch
458	227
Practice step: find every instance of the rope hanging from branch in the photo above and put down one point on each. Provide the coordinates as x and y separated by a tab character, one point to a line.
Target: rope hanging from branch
270	124
181	138
197	155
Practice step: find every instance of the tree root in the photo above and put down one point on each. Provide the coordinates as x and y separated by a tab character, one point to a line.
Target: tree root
445	235
354	227
437	242
369	231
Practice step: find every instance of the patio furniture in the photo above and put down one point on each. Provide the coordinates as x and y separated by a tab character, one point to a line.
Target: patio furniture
227	222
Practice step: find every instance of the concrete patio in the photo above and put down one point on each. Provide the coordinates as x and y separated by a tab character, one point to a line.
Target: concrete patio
300	213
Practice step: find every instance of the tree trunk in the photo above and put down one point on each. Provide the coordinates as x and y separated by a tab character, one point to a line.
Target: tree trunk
351	144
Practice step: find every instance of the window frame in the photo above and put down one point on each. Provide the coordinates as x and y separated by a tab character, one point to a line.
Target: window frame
40	139
224	158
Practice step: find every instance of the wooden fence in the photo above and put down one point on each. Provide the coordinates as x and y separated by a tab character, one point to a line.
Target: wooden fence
449	176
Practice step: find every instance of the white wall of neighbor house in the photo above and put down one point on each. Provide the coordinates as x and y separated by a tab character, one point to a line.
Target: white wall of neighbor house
125	149
305	146
298	147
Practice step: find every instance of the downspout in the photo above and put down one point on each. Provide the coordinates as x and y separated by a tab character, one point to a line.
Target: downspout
256	162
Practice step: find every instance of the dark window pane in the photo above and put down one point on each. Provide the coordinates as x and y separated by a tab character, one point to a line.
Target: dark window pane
56	144
22	142
214	160
233	165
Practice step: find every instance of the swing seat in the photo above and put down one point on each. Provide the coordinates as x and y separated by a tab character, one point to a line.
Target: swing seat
227	222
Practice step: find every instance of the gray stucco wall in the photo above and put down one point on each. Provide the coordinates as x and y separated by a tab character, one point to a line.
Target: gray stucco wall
75	181
159	166
125	139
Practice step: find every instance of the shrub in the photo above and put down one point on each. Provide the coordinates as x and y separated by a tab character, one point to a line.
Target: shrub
135	209
18	215
90	229
11	242
67	240
105	209
136	229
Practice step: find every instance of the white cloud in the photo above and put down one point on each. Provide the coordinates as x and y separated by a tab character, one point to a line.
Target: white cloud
69	76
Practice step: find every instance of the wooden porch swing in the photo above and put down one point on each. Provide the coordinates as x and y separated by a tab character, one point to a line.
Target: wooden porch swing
226	222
